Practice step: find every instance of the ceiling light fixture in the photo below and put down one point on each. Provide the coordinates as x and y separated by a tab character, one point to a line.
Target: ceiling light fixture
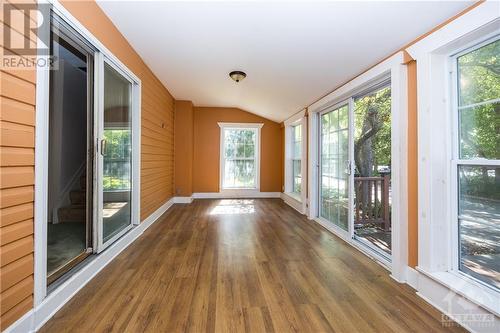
237	75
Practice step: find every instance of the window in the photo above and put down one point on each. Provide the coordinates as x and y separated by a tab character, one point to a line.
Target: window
457	215
296	162
477	161
297	159
240	156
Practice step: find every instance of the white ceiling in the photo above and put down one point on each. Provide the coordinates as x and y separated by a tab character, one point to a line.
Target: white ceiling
293	53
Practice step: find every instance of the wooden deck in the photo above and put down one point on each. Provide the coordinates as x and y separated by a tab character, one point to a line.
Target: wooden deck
240	266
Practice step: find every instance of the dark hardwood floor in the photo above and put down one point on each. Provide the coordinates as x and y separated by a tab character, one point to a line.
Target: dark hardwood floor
238	266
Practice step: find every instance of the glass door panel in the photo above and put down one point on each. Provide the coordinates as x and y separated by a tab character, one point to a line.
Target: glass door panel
116	153
372	176
69	190
334	166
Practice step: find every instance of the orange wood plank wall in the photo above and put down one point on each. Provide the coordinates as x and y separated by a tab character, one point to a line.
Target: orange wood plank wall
17	150
184	121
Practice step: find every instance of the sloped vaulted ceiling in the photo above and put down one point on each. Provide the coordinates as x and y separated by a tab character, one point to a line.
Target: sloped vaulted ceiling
293	53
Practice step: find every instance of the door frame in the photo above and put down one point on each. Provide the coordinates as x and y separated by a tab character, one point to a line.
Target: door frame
395	69
345	234
42	143
99	244
383	82
63	31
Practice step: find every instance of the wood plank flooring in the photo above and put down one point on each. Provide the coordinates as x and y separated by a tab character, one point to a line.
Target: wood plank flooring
243	266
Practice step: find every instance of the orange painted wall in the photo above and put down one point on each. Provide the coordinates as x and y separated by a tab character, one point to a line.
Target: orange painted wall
183	138
207	141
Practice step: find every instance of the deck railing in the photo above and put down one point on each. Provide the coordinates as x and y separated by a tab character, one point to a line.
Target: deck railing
372	204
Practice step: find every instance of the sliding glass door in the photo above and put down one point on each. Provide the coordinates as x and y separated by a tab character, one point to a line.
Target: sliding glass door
372	175
334	166
355	168
69	185
115	158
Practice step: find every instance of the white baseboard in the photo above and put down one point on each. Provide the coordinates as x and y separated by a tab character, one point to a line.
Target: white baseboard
183	200
236	194
36	318
412	277
292	202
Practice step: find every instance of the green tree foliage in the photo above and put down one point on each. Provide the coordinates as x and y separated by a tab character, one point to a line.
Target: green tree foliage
372	134
239	152
117	159
479	82
479	111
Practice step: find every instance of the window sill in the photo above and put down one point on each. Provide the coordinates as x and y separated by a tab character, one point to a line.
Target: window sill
294	196
483	296
229	189
294	201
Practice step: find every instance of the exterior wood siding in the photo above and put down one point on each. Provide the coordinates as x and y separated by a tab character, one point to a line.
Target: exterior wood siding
17	174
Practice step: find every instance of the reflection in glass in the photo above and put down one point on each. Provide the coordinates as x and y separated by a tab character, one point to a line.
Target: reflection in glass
68	220
372	157
117	153
479	222
334	156
480	131
479	183
478	76
479	102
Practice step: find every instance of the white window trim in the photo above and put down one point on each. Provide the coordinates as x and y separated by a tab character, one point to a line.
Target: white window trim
258	128
41	151
437	185
394	68
297	202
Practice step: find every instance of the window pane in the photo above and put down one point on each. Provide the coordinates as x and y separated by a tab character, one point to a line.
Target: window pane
249	136
478	74
479	222
334	184
240	149
230	150
480	131
297	133
117	164
239	174
239	152
249	150
117	157
297	176
297	150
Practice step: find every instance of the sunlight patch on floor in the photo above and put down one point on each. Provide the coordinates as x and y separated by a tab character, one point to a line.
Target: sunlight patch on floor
234	207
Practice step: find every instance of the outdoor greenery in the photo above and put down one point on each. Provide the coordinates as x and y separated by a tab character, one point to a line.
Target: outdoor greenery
479	109
372	134
296	158
479	83
117	160
240	154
